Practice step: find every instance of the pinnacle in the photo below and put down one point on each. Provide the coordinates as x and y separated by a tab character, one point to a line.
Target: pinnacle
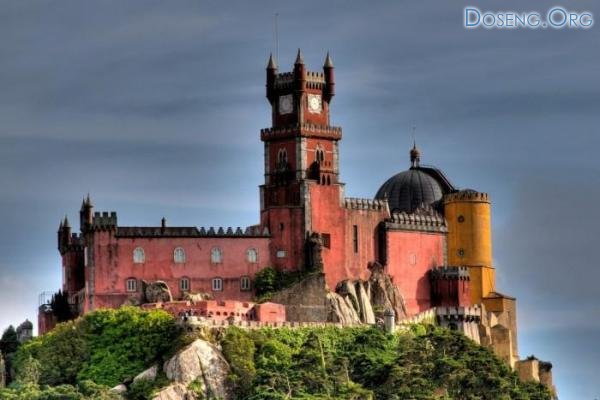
272	63
299	58
328	61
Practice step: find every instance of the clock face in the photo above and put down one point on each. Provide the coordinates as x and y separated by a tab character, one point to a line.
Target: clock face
315	105
286	104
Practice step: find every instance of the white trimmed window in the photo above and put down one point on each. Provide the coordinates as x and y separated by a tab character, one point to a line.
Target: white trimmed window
138	255
217	285
132	285
179	255
184	284
244	283
216	255
252	256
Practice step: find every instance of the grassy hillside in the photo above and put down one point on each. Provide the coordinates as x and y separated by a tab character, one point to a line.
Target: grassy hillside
81	359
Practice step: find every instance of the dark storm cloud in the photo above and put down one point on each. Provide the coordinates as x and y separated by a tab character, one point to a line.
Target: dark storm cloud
155	108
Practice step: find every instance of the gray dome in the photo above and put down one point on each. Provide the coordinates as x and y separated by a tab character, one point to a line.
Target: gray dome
409	190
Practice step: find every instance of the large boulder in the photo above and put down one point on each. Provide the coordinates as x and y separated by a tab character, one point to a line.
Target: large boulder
157	292
149	374
384	294
341	310
175	391
200	362
197	297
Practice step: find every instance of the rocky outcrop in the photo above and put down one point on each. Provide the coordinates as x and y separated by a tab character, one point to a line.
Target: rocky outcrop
201	363
384	294
197	297
156	292
149	374
176	391
353	302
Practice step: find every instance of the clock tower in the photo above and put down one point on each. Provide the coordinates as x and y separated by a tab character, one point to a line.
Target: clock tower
301	156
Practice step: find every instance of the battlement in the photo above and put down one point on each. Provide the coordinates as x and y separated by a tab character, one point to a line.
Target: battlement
104	220
353	203
467	195
285	80
192	231
303	129
449	273
431	221
462	314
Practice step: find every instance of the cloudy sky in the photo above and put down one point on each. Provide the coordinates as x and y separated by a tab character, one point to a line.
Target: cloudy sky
155	107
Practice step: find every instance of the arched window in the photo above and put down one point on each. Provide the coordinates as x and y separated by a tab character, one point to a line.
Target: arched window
244	283
179	255
217	284
282	157
252	256
138	255
184	284
132	285
319	154
216	255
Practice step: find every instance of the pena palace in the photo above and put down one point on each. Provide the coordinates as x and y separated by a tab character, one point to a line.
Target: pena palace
432	238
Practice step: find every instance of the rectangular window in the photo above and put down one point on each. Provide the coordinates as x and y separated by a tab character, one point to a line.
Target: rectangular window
244	283
326	240
217	285
184	284
281	254
355	238
131	285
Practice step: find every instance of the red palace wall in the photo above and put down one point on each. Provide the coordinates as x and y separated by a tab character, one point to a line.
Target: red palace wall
451	293
286	225
410	255
113	265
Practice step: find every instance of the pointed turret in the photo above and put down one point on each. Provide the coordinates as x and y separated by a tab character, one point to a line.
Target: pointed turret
66	222
328	62
271	74
299	58
272	64
329	90
86	214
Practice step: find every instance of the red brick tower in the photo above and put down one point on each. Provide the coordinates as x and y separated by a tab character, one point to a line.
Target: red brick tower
301	153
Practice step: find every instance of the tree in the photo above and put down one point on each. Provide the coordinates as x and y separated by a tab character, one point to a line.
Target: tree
60	306
9	342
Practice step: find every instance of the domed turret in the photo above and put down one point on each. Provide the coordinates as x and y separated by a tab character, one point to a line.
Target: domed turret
414	188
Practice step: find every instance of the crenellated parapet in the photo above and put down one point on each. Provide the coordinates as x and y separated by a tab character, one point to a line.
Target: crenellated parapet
304	130
428	220
446	315
192	231
467	195
352	203
449	273
104	221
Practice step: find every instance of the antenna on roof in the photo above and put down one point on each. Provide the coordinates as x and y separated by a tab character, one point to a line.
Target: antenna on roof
276	34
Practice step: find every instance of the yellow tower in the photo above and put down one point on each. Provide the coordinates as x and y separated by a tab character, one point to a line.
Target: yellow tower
468	214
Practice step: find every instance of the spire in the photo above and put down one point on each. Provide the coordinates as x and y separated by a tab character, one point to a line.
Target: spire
299	59
66	223
61	225
88	201
328	62
415	156
272	64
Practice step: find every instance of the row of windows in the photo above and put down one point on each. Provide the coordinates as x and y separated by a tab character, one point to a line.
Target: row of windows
179	257
184	284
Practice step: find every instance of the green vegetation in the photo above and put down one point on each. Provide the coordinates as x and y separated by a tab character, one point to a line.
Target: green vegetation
270	280
81	359
106	346
8	347
365	363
